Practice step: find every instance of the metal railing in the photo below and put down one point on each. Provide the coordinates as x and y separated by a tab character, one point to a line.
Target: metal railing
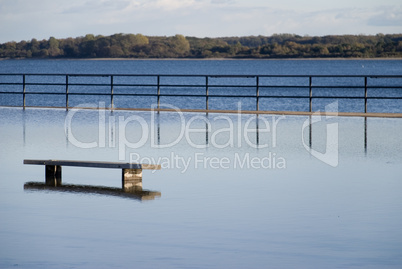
253	84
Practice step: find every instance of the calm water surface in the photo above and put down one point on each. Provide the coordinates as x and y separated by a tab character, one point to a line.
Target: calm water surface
254	199
212	67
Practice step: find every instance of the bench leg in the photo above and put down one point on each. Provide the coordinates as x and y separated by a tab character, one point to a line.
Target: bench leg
53	175
132	179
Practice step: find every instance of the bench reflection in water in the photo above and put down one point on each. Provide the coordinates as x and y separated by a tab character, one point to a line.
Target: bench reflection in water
136	194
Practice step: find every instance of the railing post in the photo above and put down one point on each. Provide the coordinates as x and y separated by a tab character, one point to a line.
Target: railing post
206	94
111	91
66	92
257	93
365	135
310	133
311	93
365	94
23	90
159	92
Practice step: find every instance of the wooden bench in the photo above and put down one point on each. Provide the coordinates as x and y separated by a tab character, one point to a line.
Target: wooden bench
131	172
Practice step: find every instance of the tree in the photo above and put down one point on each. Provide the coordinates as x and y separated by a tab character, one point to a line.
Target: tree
180	45
116	51
35	47
102	47
89	37
87	48
69	47
53	47
138	40
10	49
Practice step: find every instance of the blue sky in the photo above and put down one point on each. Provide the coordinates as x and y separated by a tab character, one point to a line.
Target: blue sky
27	19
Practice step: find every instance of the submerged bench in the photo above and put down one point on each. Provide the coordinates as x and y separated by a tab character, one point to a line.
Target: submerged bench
131	172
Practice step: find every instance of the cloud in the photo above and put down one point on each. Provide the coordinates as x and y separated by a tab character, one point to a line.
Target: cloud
223	2
94	6
171	5
201	18
389	16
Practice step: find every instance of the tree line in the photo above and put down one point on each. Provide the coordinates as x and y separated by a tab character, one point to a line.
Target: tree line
179	46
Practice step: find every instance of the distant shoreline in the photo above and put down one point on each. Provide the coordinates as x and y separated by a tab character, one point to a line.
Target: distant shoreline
179	47
204	59
234	59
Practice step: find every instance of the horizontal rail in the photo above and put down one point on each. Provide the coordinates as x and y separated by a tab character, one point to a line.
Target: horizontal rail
199	75
202	86
157	88
210	95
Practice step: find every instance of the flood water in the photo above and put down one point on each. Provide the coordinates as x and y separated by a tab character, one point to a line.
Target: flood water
235	191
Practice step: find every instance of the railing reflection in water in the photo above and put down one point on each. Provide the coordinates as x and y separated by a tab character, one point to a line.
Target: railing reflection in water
207	131
257	132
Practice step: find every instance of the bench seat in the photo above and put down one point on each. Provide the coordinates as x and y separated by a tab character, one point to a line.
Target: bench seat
131	172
